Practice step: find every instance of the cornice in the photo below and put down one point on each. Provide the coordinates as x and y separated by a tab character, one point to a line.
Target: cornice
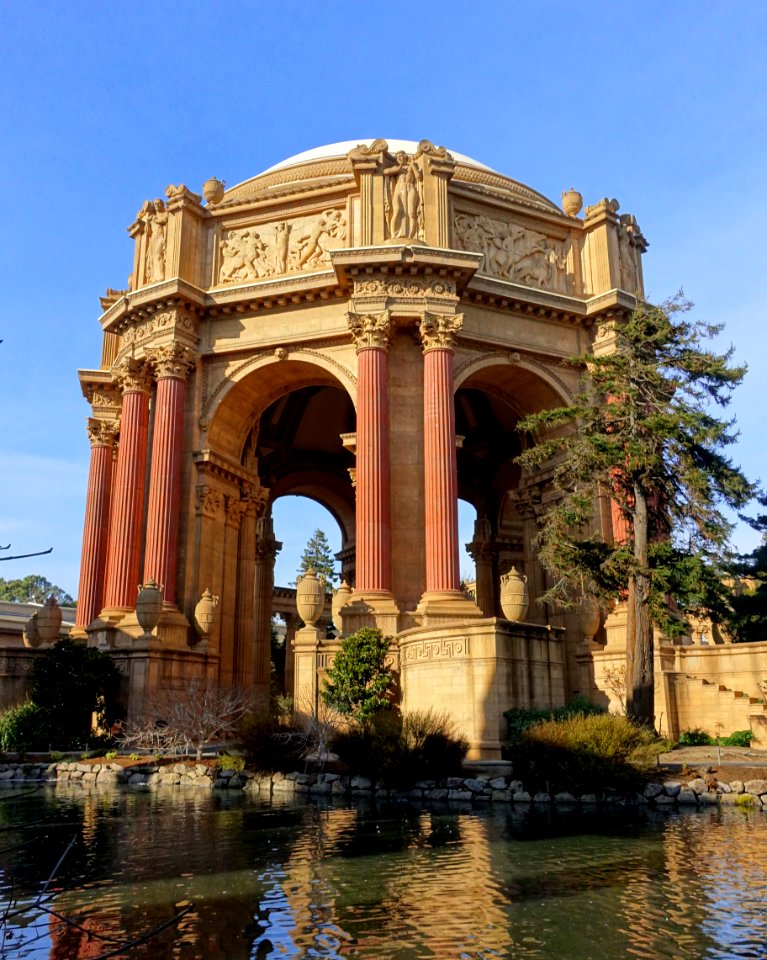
217	465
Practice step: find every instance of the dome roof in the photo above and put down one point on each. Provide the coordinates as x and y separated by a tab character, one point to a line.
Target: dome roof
334	150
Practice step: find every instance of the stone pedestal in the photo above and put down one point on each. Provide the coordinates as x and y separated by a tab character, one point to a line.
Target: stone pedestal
306	644
370	608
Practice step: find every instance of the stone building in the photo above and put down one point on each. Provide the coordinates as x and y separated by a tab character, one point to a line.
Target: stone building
362	324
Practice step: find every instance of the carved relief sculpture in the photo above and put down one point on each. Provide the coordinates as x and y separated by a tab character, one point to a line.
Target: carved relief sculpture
157	221
285	247
513	252
370	330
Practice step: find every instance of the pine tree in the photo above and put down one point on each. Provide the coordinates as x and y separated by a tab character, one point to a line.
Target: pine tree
642	432
748	616
318	556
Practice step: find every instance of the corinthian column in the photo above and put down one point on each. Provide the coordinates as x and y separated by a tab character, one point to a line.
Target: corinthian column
267	548
372	333
443	579
90	594
172	364
126	514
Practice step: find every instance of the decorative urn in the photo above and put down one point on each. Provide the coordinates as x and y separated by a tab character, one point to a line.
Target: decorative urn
49	621
589	618
515	597
149	606
205	613
213	190
340	598
310	597
572	202
31	636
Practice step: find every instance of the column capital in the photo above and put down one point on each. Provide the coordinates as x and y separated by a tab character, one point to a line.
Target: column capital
256	498
370	330
438	330
235	511
133	376
102	433
171	360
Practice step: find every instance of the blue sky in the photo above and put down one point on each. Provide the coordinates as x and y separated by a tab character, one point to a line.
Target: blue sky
102	105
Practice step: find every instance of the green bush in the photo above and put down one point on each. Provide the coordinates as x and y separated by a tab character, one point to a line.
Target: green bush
401	749
226	761
741	738
520	720
24	727
695	738
360	684
586	753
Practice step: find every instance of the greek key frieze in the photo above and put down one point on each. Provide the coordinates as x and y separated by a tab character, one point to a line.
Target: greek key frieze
442	649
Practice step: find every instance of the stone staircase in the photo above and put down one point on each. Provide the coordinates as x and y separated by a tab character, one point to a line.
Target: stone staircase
724	710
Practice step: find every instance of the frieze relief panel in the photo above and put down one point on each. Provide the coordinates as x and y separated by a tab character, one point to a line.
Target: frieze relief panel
513	252
442	649
275	249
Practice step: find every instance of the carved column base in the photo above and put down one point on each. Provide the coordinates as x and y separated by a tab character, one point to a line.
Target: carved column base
370	608
445	606
306	644
171	632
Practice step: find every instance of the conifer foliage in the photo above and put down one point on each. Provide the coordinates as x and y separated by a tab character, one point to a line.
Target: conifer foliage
318	556
644	432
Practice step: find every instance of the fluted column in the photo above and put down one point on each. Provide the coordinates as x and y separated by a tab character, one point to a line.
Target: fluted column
440	465
90	595
126	513
172	364
483	552
371	336
267	548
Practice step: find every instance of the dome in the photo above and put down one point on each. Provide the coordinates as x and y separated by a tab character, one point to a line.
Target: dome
336	150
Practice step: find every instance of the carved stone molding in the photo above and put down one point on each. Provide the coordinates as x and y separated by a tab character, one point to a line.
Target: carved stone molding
407	288
133	376
171	360
176	322
105	399
236	508
370	330
209	502
443	649
102	433
438	330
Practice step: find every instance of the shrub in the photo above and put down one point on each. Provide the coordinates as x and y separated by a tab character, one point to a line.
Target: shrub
695	738
226	761
741	738
360	684
23	727
401	749
586	753
271	744
520	719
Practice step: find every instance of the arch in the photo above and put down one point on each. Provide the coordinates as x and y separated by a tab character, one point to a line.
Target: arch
257	382
560	393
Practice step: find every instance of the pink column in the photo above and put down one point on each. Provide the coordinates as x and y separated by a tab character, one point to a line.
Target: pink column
90	594
172	365
371	336
440	466
127	510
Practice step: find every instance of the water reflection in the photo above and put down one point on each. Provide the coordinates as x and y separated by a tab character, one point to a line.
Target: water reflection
253	880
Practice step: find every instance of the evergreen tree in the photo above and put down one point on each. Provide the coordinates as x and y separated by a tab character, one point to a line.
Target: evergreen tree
748	616
318	556
359	684
33	589
642	431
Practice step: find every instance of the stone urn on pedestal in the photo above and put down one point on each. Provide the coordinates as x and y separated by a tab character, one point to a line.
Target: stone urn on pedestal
515	597
340	598
149	606
310	597
589	618
31	635
49	621
205	614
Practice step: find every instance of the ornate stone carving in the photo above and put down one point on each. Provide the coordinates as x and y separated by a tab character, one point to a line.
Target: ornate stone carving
133	376
403	206
210	501
102	433
171	360
256	498
602	206
631	244
280	248
370	330
397	287
155	216
513	252
179	193
438	330
442	649
235	511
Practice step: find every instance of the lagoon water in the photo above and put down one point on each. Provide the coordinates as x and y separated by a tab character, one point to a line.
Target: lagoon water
253	879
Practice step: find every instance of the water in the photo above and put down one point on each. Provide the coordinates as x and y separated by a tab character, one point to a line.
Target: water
251	879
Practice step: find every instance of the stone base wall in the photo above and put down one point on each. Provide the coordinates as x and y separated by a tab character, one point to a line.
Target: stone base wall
475	670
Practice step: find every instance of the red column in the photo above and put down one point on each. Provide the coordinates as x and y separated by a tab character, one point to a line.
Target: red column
172	365
90	594
371	336
440	465
126	515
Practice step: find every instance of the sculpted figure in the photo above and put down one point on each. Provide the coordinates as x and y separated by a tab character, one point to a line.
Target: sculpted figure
404	208
256	261
281	238
314	242
629	276
232	256
157	220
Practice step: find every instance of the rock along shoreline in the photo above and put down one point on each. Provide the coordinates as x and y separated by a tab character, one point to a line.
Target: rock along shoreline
478	789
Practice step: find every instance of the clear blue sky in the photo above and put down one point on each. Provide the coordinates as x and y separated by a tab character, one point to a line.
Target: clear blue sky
102	105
